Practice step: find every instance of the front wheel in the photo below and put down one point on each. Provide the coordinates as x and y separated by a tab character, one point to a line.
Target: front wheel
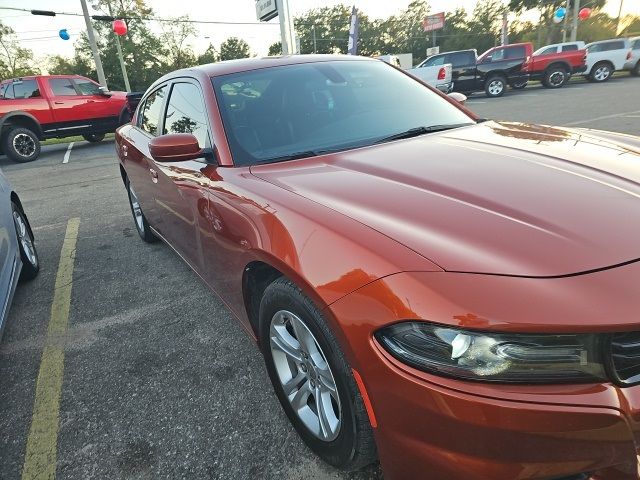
495	87
94	137
21	145
312	378
26	246
140	221
601	72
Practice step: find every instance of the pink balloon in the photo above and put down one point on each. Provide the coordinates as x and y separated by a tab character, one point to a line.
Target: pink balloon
119	27
584	13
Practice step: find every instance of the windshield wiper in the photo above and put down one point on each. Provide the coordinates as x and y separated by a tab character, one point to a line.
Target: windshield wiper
290	156
414	132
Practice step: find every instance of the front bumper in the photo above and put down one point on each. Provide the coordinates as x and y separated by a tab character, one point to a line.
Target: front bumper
458	429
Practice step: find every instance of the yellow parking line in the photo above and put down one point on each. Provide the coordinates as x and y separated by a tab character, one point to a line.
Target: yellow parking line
42	442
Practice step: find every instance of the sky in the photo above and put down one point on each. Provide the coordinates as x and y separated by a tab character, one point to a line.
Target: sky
40	33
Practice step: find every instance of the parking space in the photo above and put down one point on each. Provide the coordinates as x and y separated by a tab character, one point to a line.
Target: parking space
159	380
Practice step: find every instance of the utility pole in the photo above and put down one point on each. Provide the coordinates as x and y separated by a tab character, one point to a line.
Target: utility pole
564	25
286	28
315	49
119	48
505	28
94	48
574	20
619	14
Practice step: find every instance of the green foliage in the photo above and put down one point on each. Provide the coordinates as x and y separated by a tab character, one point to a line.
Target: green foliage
210	55
179	54
275	49
79	65
234	47
15	61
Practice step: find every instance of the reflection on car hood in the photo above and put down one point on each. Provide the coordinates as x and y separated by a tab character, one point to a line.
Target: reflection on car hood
502	198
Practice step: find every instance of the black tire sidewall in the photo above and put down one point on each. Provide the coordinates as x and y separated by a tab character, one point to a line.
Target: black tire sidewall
148	236
94	137
547	83
492	79
29	271
283	295
7	145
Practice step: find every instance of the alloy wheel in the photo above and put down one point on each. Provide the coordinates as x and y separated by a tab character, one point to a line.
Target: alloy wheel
602	73
496	87
137	211
25	240
556	78
305	375
24	145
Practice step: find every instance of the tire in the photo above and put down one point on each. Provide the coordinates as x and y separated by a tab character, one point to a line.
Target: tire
347	440
601	72
26	245
519	86
139	220
125	117
555	77
21	145
94	137
636	70
495	86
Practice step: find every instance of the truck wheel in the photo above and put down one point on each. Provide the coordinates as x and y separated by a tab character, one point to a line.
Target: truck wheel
94	137
601	72
21	145
555	77
495	86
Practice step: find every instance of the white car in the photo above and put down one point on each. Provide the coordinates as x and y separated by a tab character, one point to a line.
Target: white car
439	76
633	64
559	48
605	57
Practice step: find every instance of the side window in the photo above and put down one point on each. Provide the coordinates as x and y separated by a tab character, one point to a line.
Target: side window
614	45
87	87
7	91
497	55
461	59
186	112
569	48
597	47
62	87
435	60
150	111
549	51
635	44
26	89
515	52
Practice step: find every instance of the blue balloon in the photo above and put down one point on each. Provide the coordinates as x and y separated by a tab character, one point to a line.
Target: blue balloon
561	12
64	34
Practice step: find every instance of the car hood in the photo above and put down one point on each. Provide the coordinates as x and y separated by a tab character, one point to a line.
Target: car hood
498	198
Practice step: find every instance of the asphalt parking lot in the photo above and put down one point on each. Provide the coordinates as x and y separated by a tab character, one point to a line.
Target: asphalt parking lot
159	380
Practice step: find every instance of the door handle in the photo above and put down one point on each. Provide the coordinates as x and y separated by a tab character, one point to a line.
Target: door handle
59	103
154	175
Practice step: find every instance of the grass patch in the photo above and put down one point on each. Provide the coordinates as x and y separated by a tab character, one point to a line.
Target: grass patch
75	138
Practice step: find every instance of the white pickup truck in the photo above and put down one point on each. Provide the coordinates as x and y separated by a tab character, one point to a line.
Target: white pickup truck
438	76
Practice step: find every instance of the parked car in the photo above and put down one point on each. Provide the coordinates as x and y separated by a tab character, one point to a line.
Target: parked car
18	254
605	57
38	107
454	296
492	72
633	64
439	76
554	65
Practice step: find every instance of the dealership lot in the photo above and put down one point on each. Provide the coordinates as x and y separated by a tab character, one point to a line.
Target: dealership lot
159	380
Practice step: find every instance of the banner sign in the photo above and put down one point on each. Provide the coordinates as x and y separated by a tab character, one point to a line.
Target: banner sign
266	10
433	22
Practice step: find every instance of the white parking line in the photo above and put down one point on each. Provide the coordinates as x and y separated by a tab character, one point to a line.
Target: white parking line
68	152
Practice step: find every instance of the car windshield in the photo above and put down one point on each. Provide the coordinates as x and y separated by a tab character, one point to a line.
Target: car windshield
285	112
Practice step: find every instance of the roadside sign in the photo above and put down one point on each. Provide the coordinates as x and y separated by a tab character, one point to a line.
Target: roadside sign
433	22
433	50
266	10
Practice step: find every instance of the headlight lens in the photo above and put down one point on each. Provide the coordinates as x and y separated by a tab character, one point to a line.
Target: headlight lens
497	357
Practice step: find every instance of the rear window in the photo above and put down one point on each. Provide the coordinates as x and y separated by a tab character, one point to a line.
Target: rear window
515	52
569	48
62	87
462	59
546	51
437	60
606	46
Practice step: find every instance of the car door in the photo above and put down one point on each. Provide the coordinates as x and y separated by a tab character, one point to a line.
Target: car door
135	148
180	189
464	70
514	58
69	106
102	112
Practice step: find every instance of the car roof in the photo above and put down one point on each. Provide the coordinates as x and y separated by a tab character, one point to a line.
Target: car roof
609	40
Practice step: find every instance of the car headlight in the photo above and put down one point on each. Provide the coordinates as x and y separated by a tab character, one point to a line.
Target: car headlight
495	357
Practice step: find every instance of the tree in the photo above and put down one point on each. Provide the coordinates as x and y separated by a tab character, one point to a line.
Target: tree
484	25
210	55
15	61
78	65
275	49
234	47
175	33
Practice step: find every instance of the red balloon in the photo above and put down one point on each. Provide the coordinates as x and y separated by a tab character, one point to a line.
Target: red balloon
584	13
120	28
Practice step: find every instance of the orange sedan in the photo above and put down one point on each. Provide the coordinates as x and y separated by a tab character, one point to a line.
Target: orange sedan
455	297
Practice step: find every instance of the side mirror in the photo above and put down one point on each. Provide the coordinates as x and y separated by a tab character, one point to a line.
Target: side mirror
104	91
175	147
458	97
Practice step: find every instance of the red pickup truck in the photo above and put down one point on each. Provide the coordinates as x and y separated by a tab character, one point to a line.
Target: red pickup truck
553	65
35	108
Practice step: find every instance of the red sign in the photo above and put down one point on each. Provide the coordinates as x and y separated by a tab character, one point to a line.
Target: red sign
433	22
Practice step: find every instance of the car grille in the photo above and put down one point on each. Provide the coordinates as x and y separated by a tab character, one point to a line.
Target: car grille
625	356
